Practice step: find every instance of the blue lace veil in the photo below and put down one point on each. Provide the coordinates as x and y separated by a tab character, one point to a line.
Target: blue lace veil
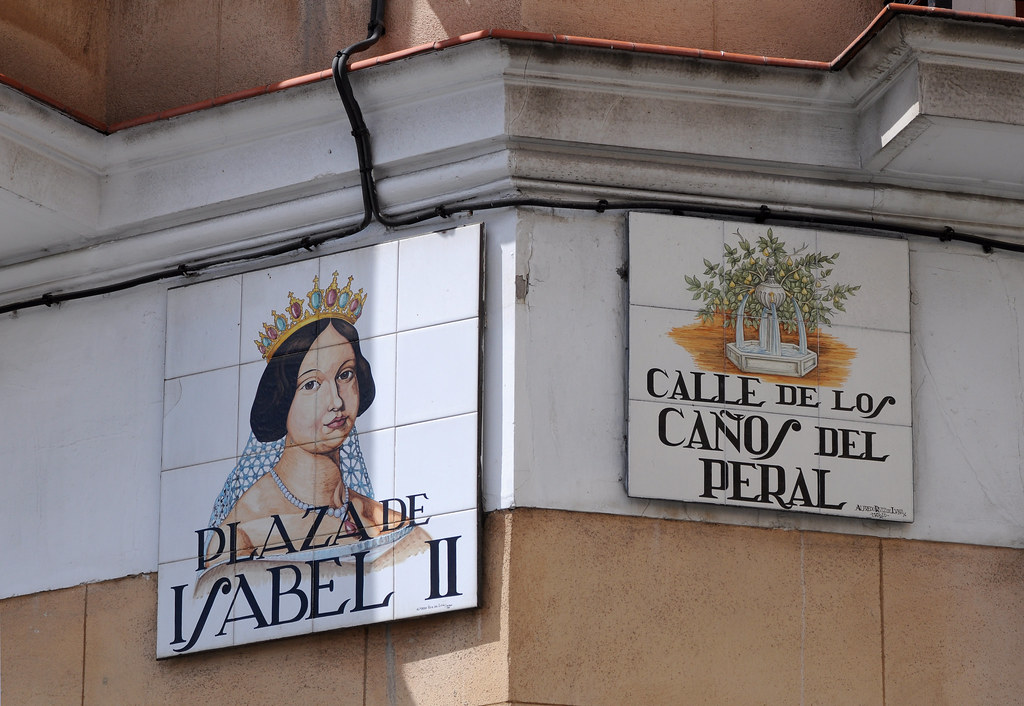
258	458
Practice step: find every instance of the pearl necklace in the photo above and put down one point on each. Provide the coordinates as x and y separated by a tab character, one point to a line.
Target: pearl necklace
332	511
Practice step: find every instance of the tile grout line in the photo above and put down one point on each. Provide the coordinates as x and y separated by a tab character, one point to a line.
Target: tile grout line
803	616
389	661
239	366
366	658
85	625
881	615
506	599
394	367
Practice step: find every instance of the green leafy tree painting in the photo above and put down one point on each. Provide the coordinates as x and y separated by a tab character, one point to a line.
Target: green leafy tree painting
803	275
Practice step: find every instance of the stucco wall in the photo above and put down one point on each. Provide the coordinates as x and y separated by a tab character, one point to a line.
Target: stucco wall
83	403
81	420
966	381
114	60
588	608
585	593
95	644
605	609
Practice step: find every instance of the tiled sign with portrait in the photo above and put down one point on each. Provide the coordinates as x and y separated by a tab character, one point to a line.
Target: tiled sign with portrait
769	368
320	449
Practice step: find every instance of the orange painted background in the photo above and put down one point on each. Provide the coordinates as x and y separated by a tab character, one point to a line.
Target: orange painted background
706	343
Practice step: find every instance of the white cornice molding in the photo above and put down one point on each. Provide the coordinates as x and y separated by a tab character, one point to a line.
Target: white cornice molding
483	119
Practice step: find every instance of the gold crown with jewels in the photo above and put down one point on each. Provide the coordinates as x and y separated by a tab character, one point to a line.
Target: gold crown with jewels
331	303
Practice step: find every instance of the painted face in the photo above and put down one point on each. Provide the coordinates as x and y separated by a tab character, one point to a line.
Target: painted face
326	400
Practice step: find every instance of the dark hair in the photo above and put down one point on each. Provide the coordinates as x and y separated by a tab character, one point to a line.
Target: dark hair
269	414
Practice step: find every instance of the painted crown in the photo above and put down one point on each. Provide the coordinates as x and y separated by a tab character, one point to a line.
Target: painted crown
332	303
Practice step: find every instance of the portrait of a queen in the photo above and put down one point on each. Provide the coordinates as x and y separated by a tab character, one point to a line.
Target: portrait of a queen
301	483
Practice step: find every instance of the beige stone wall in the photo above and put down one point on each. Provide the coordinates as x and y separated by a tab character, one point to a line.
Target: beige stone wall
96	644
114	60
588	609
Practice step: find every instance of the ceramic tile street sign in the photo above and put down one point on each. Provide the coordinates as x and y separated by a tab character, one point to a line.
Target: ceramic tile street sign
769	368
320	456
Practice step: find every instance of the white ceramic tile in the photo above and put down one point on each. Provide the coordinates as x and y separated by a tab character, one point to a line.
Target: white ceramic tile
791	396
437	372
248	381
795	242
770	249
684	364
265	291
668	454
186	500
378	448
202	326
439	277
200	418
717	456
666	342
280	597
380	354
881	267
423	582
339	594
879	482
785	391
771	461
665	461
281	607
877	386
437	460
183	573
662	249
374	270
341	390
669	257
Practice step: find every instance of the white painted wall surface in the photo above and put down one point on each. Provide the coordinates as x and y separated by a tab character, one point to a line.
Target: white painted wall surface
82	404
81	393
82	412
80	419
967	314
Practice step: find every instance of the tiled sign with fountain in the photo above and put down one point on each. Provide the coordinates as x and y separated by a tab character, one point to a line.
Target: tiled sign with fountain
769	367
320	449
